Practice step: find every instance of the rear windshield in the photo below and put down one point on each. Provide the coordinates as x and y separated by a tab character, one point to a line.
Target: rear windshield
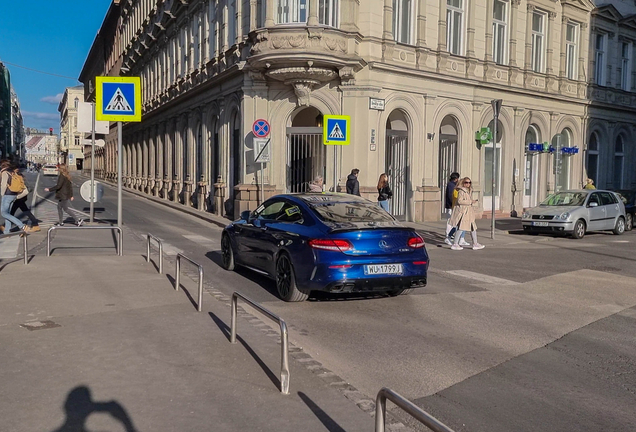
342	211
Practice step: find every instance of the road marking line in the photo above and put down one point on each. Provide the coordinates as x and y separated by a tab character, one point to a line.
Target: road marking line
203	241
482	277
621	241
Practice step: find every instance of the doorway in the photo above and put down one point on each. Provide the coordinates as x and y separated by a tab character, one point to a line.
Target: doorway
306	154
531	169
490	151
448	157
396	163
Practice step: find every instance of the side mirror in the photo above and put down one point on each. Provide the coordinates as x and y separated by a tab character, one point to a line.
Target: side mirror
245	215
593	204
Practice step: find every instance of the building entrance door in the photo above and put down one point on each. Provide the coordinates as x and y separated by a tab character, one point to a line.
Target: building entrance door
447	161
397	145
306	157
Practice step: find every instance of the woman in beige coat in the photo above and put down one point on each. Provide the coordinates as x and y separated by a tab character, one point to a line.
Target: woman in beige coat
463	216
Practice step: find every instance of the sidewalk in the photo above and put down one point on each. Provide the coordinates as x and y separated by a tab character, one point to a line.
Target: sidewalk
85	332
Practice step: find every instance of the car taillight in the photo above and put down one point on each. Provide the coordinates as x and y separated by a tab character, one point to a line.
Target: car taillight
416	242
335	245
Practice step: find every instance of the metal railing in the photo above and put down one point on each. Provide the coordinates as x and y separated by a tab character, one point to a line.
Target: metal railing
284	359
25	243
178	277
409	407
160	245
120	237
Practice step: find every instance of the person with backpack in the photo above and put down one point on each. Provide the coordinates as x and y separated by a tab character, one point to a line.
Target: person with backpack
20	203
450	202
11	185
63	194
384	192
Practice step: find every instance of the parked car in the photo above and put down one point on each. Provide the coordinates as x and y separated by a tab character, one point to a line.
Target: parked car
326	242
577	212
629	200
50	169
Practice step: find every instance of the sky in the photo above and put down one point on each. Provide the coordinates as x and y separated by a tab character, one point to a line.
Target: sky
52	36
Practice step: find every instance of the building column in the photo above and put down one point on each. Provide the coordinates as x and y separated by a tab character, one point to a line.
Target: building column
388	20
269	13
584	43
421	24
253	14
514	13
441	27
349	15
549	70
312	18
563	53
470	31
528	59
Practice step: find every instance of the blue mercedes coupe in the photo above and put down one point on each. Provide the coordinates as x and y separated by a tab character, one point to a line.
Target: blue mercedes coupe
326	242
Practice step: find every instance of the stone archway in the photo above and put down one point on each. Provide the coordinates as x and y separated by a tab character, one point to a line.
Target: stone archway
396	162
448	152
306	154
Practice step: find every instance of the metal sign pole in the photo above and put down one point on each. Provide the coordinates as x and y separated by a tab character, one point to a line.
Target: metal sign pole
496	108
557	162
119	180
262	183
92	202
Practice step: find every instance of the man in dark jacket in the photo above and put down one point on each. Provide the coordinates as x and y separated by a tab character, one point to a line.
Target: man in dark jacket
353	186
450	188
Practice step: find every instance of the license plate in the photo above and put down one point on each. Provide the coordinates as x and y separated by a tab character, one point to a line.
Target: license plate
540	224
376	269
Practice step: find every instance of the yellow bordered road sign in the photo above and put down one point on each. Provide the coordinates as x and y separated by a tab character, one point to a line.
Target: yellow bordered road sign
118	99
336	130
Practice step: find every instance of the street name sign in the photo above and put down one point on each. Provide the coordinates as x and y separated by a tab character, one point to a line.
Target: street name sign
118	99
336	130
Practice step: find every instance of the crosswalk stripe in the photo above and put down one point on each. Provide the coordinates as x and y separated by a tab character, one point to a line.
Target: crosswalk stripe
168	249
203	241
481	277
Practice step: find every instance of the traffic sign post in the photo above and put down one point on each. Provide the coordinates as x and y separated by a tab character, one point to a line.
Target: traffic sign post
118	99
337	132
263	154
558	161
261	128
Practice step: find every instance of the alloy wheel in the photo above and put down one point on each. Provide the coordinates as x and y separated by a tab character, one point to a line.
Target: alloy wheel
283	276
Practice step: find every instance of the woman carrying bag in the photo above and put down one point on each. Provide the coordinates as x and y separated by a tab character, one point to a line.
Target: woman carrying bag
64	194
463	216
384	192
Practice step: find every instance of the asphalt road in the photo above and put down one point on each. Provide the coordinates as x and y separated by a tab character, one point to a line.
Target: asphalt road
534	335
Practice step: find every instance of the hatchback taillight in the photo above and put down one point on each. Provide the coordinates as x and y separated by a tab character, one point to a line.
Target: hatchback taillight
335	245
415	242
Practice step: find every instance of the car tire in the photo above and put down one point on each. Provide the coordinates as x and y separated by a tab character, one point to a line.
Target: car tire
620	226
286	281
579	229
227	253
397	292
629	222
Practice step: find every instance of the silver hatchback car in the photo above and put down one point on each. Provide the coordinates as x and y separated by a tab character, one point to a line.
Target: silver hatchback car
576	212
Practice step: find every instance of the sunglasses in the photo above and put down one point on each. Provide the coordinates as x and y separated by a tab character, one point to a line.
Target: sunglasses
467	182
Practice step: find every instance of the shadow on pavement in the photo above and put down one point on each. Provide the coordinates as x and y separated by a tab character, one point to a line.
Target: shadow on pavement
325	419
226	331
79	406
185	290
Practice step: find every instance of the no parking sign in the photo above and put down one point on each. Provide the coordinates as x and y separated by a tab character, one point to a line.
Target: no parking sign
261	128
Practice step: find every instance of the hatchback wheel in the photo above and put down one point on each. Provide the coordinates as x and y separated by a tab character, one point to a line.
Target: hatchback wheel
620	226
629	221
579	229
227	252
286	281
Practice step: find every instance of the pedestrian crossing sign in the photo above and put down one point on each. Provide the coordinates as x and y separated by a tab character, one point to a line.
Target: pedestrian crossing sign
118	99
336	130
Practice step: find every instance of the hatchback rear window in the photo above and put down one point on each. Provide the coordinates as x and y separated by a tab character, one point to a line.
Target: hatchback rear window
355	211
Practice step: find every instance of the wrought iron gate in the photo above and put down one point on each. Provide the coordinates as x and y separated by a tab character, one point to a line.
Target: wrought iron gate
447	161
306	157
397	146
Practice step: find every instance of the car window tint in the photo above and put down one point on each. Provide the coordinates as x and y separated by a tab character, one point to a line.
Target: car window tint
606	198
290	213
357	211
594	198
565	199
271	210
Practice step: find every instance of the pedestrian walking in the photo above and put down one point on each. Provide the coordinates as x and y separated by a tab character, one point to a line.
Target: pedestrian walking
353	185
10	188
63	194
463	216
450	203
20	203
384	192
316	184
589	184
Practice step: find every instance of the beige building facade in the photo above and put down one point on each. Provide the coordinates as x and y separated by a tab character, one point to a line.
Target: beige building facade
417	78
71	141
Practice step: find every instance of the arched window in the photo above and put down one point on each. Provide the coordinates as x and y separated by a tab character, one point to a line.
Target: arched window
619	159
76	103
592	158
564	176
530	173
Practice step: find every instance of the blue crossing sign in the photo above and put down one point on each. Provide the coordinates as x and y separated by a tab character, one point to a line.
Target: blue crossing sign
118	99
336	130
